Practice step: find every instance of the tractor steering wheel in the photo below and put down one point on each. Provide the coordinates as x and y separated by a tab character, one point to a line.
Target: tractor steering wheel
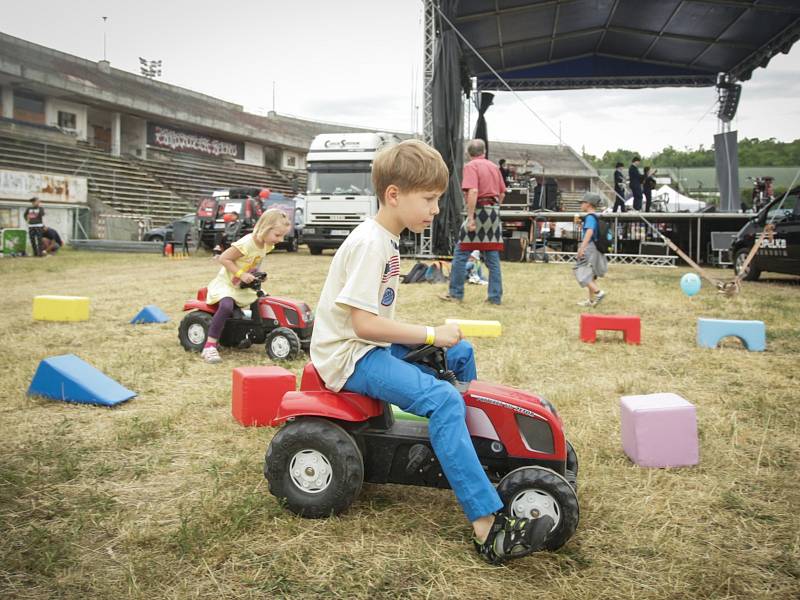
420	353
434	358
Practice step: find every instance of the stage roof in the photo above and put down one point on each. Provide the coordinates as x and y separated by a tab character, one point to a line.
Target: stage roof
568	44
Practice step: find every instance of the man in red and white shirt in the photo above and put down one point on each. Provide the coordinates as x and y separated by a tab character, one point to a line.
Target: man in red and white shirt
484	190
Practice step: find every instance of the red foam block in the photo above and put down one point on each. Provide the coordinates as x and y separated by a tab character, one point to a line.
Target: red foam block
257	393
629	325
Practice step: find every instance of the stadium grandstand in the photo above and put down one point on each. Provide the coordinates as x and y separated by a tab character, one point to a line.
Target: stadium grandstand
95	142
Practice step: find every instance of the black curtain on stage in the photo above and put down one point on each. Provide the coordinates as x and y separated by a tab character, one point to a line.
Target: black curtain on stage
484	102
450	77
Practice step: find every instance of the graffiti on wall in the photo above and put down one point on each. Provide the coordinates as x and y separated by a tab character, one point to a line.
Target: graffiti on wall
184	141
22	185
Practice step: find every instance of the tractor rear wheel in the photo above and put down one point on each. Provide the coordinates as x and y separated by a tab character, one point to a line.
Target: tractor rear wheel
193	330
315	467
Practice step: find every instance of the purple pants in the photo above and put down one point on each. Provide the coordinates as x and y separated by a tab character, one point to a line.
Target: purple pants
224	312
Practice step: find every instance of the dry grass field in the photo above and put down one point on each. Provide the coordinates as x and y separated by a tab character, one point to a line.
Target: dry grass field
164	497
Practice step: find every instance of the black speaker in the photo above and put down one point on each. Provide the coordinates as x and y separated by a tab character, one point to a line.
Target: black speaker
550	192
728	94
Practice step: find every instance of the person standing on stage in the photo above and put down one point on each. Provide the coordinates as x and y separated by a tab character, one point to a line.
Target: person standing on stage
648	186
619	188
484	190
504	170
635	182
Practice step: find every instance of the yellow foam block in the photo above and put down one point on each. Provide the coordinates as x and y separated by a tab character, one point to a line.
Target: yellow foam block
471	328
60	308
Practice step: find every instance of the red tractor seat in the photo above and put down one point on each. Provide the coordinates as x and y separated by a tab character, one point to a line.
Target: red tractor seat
312	382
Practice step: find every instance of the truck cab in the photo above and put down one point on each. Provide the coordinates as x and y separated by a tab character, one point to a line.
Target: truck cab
779	253
340	194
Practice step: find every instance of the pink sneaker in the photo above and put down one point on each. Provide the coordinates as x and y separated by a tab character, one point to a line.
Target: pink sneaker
210	354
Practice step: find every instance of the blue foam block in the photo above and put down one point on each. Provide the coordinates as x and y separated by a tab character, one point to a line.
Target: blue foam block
150	314
70	379
752	333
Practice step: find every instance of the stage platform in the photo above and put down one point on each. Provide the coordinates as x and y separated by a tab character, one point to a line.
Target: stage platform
689	231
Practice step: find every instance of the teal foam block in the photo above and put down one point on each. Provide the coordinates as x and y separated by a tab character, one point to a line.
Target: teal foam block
70	379
150	314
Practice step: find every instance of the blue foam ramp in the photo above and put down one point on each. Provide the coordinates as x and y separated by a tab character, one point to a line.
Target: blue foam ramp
70	379
752	333
150	314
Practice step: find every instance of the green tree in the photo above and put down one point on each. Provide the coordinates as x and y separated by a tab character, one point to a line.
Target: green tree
752	153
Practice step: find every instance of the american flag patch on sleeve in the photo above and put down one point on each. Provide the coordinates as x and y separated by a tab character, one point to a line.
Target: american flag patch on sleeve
391	269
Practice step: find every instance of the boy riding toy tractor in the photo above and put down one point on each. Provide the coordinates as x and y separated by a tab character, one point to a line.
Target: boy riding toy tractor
284	325
330	443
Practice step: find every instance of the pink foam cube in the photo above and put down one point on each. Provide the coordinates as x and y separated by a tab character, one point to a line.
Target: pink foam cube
659	430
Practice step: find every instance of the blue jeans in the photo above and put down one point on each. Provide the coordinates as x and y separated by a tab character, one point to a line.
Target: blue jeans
458	270
383	374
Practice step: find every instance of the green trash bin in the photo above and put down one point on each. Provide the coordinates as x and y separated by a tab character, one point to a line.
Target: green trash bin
13	242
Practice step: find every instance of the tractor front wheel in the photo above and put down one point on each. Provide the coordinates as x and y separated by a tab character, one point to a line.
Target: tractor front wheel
282	344
532	492
315	467
572	466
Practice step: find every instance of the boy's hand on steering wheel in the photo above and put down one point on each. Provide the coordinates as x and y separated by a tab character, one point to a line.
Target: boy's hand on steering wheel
447	335
247	278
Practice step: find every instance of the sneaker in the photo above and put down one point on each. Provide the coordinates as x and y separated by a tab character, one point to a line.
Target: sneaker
449	298
210	354
598	298
512	537
585	303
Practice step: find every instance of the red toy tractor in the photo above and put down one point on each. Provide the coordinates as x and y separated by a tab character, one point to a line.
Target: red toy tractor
284	325
330	443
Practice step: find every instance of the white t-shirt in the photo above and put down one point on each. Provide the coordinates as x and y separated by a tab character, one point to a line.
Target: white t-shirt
364	274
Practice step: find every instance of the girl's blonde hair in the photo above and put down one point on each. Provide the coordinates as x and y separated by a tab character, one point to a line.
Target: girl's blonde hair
274	218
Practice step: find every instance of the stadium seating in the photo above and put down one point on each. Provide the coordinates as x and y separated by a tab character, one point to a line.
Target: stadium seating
116	181
164	187
194	177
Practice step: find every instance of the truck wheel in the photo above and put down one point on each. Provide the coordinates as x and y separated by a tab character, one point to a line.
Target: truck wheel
315	250
293	244
282	344
751	274
572	466
314	467
534	491
193	330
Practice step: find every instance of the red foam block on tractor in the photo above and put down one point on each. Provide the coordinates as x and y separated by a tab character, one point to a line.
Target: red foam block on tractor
629	325
257	392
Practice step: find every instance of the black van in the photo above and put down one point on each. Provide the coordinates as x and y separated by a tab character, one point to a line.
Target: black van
781	254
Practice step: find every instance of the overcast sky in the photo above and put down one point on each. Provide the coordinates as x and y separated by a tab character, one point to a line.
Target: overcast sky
359	62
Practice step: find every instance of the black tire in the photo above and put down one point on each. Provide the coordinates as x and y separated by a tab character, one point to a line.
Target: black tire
191	327
738	261
553	494
293	244
299	442
315	250
282	344
572	466
156	238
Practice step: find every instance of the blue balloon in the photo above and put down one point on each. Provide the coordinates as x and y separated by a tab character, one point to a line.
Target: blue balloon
690	284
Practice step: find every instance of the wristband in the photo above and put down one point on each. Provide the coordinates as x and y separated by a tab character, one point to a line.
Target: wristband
430	335
239	273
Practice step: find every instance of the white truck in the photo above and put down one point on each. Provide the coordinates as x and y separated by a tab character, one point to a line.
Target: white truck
340	194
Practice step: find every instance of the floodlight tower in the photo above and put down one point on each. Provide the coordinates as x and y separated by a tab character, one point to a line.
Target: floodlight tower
150	68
